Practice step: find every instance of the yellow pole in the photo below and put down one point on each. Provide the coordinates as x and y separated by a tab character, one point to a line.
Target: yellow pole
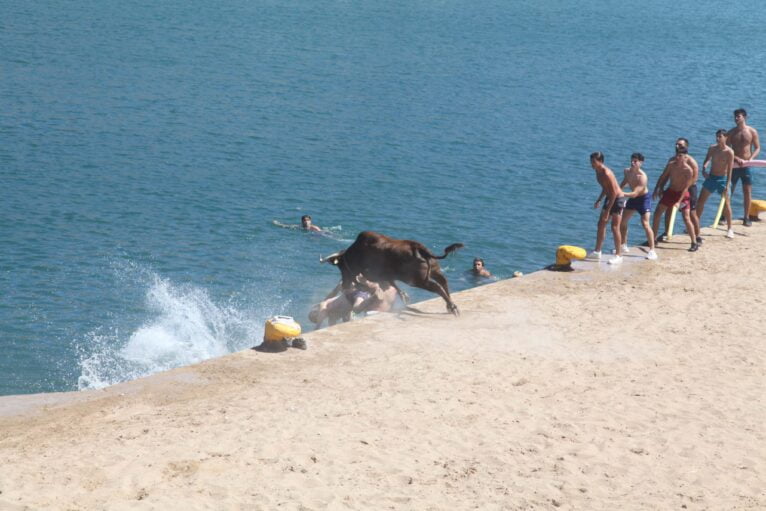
719	212
672	222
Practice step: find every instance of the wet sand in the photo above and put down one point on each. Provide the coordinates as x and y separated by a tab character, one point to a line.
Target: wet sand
636	387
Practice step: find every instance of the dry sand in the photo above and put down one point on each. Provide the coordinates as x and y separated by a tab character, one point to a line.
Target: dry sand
640	387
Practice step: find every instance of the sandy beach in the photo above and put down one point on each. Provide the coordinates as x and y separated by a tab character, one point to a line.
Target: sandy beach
638	387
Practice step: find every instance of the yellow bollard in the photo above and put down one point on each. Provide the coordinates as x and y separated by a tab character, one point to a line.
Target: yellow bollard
756	206
278	333
565	254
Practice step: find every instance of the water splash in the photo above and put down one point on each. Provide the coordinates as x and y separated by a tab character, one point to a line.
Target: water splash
185	327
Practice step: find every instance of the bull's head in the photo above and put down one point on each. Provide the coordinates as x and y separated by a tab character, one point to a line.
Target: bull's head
336	259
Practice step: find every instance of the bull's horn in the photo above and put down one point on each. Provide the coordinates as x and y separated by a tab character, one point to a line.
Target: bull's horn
325	259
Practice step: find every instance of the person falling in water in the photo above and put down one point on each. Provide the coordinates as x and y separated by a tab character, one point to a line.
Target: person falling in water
614	203
719	179
680	173
743	139
640	200
306	224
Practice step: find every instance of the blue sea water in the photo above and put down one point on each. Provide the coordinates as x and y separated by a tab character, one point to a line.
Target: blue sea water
147	149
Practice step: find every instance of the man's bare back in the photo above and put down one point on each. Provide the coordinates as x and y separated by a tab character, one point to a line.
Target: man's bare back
609	185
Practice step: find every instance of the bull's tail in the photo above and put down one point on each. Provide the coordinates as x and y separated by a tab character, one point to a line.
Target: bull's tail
427	255
447	251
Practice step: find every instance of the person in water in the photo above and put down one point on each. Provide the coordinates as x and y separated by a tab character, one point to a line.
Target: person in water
479	269
743	139
639	200
306	224
680	173
614	203
719	179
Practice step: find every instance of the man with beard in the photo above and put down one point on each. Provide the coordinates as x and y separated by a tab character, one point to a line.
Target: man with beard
681	172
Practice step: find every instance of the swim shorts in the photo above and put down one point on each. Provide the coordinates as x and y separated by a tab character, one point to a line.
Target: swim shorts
642	204
715	184
358	294
671	197
744	173
693	196
619	205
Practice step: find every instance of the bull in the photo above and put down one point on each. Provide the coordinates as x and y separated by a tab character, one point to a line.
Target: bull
383	259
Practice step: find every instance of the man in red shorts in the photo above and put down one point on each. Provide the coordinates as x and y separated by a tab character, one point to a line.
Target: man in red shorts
680	172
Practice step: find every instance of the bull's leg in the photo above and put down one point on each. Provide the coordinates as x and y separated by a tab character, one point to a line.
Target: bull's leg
404	296
442	281
436	287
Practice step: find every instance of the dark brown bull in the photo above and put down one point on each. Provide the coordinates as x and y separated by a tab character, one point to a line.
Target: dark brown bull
383	259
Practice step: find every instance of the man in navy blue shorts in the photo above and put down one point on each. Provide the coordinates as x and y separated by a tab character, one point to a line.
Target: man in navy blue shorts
639	200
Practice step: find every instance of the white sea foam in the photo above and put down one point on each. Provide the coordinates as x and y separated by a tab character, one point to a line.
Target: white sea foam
185	326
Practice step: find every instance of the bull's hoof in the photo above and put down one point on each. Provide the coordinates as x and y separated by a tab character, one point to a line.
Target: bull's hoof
453	309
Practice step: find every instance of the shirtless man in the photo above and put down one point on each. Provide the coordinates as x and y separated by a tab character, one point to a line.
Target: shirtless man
680	172
365	296
478	269
744	141
719	179
682	145
306	224
639	200
336	306
613	206
382	296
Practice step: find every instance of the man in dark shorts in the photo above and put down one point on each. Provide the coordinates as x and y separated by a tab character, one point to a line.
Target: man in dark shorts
743	139
640	200
680	173
613	206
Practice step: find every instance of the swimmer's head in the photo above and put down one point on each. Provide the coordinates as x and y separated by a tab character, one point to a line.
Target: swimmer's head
740	115
306	221
720	134
478	268
638	158
682	145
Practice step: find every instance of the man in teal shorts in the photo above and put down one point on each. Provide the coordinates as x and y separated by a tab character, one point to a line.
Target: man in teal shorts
719	179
